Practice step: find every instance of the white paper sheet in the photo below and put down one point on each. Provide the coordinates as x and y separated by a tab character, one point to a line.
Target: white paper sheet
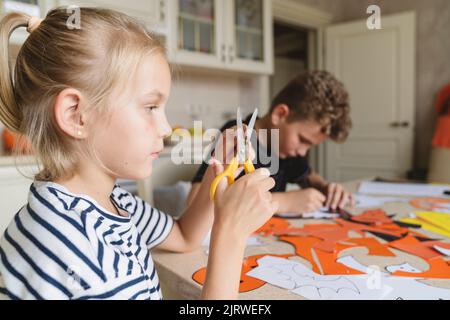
403	189
364	201
301	280
323	213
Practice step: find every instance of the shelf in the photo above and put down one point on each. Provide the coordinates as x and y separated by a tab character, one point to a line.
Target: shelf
9	160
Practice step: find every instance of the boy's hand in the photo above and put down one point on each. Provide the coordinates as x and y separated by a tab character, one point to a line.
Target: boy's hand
308	200
338	197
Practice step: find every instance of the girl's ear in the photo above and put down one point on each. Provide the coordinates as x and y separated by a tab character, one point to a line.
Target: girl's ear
68	114
279	114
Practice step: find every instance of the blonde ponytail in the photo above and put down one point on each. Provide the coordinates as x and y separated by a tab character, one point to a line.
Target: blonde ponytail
96	60
10	114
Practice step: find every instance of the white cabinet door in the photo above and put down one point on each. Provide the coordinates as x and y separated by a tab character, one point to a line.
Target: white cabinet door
14	189
221	34
377	68
250	35
195	33
151	12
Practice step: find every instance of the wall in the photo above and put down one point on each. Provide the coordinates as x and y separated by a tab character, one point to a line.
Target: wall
433	54
210	96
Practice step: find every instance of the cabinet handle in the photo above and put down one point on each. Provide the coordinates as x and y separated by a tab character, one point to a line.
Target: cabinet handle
231	53
224	53
396	124
404	124
162	15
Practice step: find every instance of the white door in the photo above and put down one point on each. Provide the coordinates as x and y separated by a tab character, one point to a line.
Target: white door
378	69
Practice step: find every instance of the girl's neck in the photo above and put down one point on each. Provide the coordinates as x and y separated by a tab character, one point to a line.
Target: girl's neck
93	183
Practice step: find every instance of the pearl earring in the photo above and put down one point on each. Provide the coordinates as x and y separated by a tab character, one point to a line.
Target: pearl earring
79	133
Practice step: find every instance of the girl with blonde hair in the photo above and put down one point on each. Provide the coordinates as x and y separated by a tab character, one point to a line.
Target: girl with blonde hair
92	102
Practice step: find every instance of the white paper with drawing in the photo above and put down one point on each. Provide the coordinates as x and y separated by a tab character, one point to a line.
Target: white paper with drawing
301	280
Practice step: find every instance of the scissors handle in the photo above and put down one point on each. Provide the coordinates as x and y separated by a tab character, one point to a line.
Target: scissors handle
228	173
248	166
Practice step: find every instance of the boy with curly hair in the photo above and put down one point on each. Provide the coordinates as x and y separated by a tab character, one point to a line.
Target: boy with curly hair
311	108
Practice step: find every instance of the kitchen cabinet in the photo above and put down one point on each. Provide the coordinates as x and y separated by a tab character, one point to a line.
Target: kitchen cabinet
151	12
234	35
221	34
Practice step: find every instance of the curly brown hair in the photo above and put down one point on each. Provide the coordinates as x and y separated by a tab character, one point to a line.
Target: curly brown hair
318	96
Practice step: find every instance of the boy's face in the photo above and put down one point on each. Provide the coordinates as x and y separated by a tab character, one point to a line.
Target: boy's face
296	137
133	137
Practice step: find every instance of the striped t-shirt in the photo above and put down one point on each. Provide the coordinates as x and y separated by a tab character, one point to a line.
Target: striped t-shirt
62	245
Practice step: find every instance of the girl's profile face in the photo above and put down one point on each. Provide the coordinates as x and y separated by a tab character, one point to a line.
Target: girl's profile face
129	142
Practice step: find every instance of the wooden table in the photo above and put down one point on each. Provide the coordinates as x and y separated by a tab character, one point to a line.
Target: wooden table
175	270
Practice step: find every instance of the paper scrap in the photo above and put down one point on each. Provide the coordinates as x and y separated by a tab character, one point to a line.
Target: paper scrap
444	251
301	280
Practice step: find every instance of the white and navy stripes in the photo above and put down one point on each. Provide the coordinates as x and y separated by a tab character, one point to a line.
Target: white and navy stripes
65	246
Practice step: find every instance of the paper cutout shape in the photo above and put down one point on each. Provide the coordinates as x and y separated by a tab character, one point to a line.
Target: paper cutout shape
438	269
431	204
375	217
439	220
428	221
404	267
273	226
444	251
376	248
423	249
247	283
300	280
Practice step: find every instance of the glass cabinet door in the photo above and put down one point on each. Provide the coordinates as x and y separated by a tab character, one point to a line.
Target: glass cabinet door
197	26
249	29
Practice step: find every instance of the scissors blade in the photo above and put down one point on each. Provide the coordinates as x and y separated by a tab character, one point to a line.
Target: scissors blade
251	124
240	137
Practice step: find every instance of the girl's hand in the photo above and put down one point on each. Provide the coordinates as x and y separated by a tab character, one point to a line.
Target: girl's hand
243	207
226	146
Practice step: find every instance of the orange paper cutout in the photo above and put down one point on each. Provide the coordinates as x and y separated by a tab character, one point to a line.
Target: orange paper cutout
439	269
375	217
375	247
429	204
422	249
304	247
247	283
273	226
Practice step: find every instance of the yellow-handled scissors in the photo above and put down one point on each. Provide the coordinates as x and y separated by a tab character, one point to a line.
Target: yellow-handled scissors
241	158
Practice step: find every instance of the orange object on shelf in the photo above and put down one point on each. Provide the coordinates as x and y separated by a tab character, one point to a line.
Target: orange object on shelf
13	141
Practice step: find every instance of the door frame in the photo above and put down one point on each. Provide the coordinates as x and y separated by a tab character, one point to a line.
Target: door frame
315	20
